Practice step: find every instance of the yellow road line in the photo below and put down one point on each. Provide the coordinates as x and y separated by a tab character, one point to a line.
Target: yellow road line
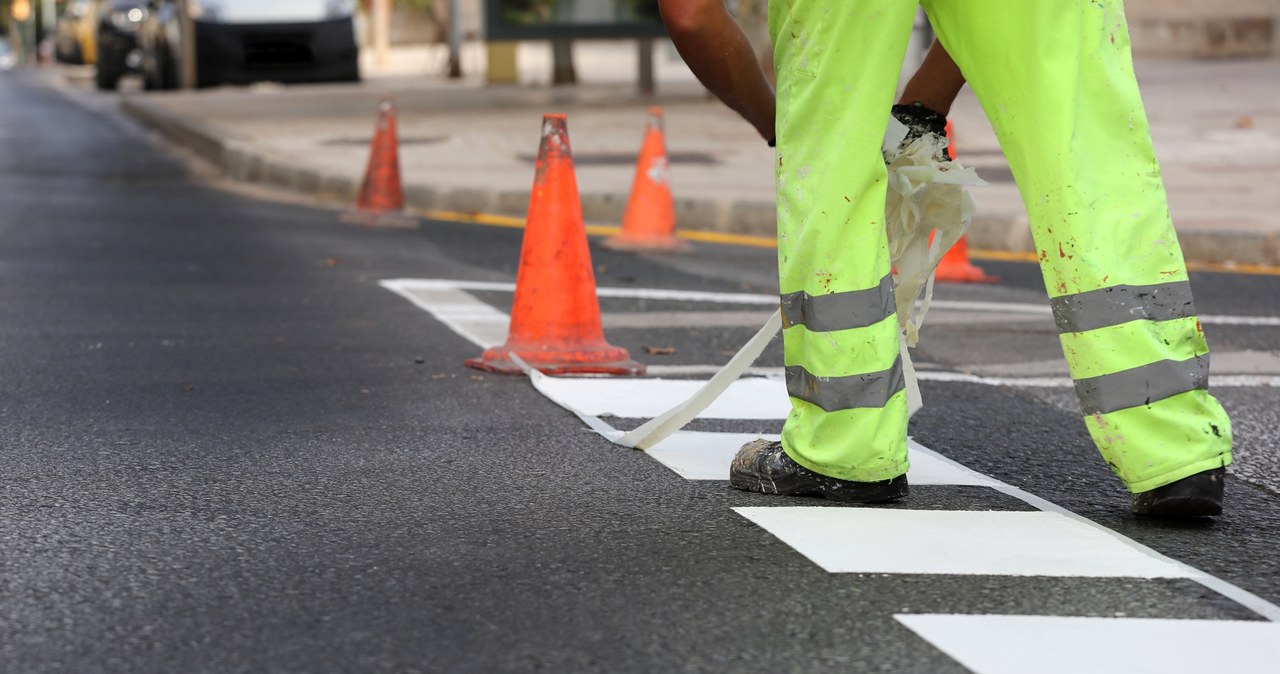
1002	255
476	218
603	230
731	239
770	242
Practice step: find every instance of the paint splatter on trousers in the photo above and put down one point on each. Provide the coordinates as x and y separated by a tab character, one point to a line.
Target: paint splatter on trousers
1056	81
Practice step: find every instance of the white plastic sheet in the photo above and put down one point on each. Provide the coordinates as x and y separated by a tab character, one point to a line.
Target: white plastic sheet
924	196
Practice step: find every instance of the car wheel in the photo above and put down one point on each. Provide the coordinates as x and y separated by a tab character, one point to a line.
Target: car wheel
350	73
106	81
71	56
168	74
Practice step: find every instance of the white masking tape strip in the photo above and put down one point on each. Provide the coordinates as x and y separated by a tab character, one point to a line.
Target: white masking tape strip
657	429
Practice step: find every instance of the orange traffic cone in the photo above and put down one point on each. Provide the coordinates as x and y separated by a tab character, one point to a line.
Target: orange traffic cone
955	266
381	199
555	316
650	221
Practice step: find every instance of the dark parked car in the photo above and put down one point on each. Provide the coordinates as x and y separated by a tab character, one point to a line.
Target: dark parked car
118	53
245	41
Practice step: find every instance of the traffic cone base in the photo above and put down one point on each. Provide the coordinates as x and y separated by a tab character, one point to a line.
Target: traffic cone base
955	267
966	273
555	314
649	223
605	360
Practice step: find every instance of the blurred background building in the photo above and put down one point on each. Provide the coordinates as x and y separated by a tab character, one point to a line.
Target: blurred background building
418	32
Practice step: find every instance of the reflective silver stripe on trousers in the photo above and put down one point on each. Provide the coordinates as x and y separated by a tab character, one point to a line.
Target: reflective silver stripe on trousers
1142	385
1120	304
873	389
839	311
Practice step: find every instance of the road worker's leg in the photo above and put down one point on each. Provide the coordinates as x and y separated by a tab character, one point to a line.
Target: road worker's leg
1056	80
838	63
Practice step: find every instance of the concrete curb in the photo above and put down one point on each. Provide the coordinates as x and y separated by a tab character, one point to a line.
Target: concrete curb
241	161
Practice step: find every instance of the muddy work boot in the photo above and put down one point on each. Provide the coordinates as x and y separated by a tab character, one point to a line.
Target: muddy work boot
762	467
1198	495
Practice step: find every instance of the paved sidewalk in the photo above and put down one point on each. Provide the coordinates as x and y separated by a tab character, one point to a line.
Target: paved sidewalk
469	147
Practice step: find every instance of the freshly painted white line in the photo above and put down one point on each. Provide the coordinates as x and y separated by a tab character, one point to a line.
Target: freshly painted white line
778	374
700	455
748	398
1225	364
930	467
992	307
1257	321
1021	308
939	316
1247	361
871	540
632	293
1006	644
540	380
690	296
703	370
1240	595
684	319
477	321
1215	381
1244	381
658	428
1033	382
772	300
487	326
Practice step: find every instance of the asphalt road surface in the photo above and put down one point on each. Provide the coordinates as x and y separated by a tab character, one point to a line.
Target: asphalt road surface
229	447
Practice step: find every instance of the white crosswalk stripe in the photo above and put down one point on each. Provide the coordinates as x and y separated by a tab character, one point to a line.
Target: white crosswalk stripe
1048	541
999	644
871	540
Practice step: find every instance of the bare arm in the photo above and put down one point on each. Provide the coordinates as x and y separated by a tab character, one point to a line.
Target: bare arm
936	83
717	51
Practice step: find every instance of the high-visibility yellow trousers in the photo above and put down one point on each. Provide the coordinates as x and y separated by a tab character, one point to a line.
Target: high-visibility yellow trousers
1056	80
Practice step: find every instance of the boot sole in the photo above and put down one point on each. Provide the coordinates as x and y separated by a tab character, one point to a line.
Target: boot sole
864	492
1199	495
1190	506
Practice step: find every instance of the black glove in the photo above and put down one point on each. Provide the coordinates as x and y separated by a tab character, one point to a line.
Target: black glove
920	120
